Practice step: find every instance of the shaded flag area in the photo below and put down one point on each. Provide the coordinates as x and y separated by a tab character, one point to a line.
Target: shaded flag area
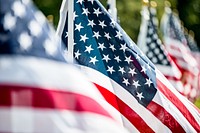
176	45
143	97
39	91
150	43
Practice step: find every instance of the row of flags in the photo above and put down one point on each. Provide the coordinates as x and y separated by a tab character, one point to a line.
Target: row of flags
173	59
176	43
111	84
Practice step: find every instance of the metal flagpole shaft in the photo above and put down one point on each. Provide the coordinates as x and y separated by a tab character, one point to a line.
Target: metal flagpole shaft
113	9
70	30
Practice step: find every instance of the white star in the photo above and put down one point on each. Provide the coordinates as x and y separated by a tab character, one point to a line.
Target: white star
84	38
148	40
91	23
139	95
77	54
74	15
78	27
148	82
97	12
40	17
119	35
150	31
112	23
101	46
132	71
66	34
143	69
34	28
101	23
110	69
19	9
123	47
9	22
121	69
128	59
80	1
25	41
155	36
136	84
125	81
96	34
88	49
93	60
112	47
117	59
50	48
107	35
106	57
85	11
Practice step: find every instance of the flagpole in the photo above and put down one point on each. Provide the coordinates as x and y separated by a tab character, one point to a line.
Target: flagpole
70	30
113	9
143	26
63	15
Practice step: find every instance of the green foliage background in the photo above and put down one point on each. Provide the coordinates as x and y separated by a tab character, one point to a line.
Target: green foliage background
130	18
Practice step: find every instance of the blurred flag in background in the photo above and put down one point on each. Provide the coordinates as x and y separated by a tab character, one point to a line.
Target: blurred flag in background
151	45
176	45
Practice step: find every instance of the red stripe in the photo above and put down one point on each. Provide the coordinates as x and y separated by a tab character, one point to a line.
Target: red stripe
172	97
166	118
24	96
125	110
172	78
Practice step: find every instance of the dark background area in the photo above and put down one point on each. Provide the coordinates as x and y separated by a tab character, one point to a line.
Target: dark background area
129	13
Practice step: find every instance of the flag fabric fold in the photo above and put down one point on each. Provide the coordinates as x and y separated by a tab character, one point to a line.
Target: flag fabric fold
128	80
176	44
39	91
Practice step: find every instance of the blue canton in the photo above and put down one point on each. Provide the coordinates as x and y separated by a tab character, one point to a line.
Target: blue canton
24	31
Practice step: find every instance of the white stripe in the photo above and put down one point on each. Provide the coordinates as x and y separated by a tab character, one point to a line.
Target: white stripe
169	71
129	126
184	100
32	120
171	108
51	75
126	97
178	85
45	73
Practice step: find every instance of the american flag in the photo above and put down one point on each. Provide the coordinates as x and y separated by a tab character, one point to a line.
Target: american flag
126	78
39	91
150	43
193	46
195	51
176	45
